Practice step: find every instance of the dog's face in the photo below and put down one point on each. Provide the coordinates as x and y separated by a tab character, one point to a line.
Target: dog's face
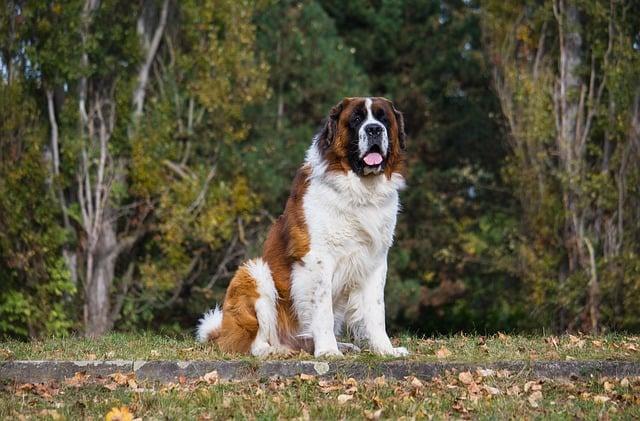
365	135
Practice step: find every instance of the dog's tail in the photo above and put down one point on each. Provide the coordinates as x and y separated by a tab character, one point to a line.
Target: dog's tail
209	325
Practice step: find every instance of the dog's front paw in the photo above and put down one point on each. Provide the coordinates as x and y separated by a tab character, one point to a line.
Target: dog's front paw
399	351
328	353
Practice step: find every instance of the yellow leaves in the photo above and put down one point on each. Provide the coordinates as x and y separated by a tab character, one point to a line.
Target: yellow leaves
119	414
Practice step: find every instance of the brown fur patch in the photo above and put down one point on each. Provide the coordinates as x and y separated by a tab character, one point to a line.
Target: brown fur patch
288	242
239	322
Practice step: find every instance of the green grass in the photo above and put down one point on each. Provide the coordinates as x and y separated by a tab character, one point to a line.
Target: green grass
478	395
496	396
462	348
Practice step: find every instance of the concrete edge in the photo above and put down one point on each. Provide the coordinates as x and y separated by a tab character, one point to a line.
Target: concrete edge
174	371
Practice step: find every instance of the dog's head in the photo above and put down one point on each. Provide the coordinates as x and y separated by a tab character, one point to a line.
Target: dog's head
364	135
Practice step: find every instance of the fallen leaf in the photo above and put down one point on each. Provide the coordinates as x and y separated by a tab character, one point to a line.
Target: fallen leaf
485	372
492	390
119	414
211	377
50	413
601	399
502	337
120	378
513	390
373	415
415	382
350	382
380	381
608	386
443	353
576	341
624	382
78	380
307	377
466	377
342	399
534	398
110	386
92	357
532	385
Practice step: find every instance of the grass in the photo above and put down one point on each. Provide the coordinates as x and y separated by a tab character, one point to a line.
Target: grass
479	395
461	348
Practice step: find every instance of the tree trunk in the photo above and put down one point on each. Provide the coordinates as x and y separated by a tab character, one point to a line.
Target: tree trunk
101	263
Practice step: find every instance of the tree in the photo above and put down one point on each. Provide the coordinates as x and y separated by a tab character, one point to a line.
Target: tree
114	84
558	67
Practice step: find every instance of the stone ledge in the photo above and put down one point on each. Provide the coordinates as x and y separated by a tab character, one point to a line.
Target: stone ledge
172	371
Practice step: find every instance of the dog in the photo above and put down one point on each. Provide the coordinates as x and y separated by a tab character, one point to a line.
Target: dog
324	262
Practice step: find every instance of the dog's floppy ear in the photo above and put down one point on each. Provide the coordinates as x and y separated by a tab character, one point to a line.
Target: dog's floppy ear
402	136
330	129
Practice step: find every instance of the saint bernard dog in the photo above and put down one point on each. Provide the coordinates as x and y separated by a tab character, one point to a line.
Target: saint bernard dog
324	263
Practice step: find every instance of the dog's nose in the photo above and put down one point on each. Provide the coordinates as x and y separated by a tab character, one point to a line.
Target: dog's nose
373	130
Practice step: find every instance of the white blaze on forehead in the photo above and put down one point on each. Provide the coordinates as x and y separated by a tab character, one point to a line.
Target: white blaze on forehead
363	143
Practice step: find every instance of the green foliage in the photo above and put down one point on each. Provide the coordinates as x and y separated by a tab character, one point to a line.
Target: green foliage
35	287
312	69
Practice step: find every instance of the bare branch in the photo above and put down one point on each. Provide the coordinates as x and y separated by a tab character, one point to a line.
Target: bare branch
143	75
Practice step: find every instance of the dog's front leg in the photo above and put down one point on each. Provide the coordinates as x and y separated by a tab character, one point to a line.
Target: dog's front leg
367	318
312	297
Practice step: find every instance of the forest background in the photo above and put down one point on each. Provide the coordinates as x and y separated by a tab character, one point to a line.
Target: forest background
146	147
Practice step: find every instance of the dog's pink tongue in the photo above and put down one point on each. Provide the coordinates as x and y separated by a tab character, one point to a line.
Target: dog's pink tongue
373	158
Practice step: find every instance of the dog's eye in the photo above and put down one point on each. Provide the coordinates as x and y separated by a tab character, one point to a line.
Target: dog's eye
381	116
357	119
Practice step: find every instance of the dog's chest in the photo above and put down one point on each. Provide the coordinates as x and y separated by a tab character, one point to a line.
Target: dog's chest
355	231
